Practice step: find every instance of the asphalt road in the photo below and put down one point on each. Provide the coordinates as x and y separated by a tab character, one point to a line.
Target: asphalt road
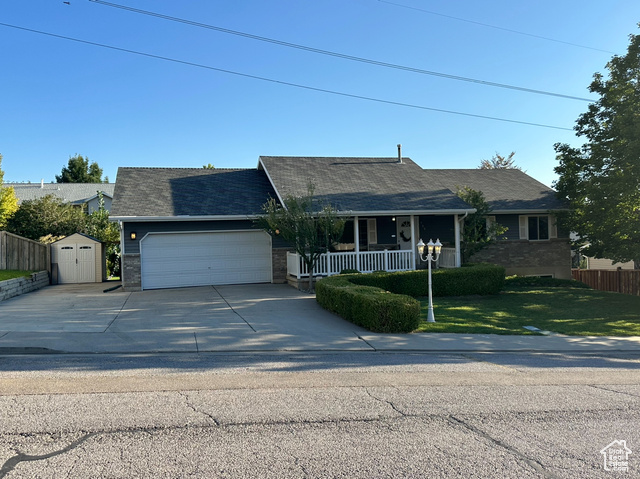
345	415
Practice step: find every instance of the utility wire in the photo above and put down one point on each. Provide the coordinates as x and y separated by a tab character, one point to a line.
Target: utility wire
430	12
336	54
280	82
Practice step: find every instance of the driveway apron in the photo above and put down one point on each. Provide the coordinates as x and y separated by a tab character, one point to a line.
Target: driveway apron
84	319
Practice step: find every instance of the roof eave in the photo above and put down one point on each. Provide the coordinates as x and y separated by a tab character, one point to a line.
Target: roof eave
529	211
146	219
406	212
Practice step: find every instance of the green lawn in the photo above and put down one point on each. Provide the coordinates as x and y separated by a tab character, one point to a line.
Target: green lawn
564	310
13	273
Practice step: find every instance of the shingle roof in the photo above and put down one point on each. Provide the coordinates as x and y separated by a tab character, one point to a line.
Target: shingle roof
361	184
504	189
164	192
69	192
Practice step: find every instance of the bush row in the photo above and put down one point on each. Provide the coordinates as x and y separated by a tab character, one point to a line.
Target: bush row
382	302
477	279
370	307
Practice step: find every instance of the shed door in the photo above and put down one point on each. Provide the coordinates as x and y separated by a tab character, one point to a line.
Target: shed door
171	260
76	263
67	263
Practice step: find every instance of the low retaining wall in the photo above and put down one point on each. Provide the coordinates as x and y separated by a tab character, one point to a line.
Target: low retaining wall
18	286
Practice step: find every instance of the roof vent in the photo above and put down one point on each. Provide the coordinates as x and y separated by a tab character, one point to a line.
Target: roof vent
42	183
399	153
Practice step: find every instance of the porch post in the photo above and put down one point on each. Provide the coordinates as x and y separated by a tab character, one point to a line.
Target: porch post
456	227
413	241
356	240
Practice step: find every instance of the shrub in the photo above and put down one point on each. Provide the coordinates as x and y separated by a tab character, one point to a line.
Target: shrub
372	308
476	279
349	271
383	303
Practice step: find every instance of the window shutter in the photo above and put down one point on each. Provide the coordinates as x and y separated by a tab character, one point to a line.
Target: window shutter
490	221
524	233
372	231
553	227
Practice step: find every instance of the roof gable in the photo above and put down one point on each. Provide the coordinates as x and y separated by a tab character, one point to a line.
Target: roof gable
167	192
361	185
504	189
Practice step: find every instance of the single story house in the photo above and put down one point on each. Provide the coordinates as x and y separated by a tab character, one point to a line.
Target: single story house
78	194
189	227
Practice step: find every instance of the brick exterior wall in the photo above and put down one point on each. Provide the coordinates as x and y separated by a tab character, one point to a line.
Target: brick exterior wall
131	272
17	286
529	258
279	264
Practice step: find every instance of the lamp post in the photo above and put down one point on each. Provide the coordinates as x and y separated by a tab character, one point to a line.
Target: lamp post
433	252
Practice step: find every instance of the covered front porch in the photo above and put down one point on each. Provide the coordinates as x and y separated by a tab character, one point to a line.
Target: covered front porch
385	243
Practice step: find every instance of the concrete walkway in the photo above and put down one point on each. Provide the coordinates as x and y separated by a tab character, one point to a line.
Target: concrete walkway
246	318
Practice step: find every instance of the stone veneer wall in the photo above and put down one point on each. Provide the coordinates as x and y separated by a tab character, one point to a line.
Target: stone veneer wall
529	258
17	286
131	275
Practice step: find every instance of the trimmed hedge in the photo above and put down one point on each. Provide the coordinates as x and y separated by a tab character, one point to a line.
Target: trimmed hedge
382	302
367	306
477	279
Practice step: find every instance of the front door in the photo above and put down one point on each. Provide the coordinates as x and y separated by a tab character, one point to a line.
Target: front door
403	225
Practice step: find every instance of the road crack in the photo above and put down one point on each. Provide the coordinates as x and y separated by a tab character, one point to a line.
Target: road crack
386	401
602	388
196	410
12	462
537	466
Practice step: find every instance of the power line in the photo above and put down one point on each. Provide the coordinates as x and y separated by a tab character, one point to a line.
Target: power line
430	12
336	54
280	82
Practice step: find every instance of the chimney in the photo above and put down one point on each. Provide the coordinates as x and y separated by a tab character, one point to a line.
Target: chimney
399	153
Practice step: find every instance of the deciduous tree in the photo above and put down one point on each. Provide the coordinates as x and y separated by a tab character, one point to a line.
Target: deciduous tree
601	179
8	200
499	162
46	216
309	227
478	232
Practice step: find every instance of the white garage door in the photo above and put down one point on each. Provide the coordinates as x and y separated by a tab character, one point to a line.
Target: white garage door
171	260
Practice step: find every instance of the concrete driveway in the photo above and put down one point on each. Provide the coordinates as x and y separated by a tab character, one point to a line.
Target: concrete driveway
255	318
84	319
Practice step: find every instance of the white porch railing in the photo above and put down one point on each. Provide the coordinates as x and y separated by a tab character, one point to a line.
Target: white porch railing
447	258
364	261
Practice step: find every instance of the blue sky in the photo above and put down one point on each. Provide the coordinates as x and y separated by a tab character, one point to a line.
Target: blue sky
59	98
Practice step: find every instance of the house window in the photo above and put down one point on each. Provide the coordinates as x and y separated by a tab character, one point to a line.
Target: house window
537	228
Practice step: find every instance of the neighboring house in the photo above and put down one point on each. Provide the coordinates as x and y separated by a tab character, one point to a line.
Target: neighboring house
78	194
532	245
589	262
188	227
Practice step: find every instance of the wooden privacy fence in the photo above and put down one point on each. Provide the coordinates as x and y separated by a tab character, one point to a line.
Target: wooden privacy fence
624	281
21	253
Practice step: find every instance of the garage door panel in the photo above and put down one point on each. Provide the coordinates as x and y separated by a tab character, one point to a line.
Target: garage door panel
199	259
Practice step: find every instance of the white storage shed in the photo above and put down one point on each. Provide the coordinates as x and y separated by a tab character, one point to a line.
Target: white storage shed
78	258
